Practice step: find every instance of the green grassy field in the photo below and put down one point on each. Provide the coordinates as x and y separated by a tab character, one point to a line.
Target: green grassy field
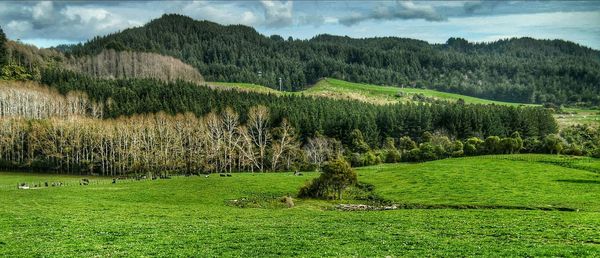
243	87
578	116
474	206
377	93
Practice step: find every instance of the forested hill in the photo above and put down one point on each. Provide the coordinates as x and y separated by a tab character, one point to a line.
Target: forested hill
516	70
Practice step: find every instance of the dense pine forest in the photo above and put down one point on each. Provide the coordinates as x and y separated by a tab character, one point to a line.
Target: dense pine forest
521	70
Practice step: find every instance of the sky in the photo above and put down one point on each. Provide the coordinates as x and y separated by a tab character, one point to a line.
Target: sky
49	23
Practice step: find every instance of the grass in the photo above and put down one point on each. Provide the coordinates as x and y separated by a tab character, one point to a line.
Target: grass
522	182
333	88
578	116
243	87
195	217
347	90
377	93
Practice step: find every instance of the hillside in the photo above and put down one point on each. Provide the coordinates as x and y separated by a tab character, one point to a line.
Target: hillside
329	87
246	87
26	62
113	64
520	70
376	94
446	208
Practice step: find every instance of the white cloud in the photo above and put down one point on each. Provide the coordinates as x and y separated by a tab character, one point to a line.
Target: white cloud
19	26
402	10
85	15
42	11
278	14
222	13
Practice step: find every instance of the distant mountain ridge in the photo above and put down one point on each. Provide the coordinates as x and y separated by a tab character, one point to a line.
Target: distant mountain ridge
517	70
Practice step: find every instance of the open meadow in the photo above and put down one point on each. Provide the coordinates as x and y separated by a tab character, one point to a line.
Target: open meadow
517	205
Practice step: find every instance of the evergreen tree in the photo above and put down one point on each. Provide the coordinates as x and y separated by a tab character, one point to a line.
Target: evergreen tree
3	52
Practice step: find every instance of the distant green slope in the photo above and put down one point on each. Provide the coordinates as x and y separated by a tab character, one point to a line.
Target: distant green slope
386	93
243	87
334	88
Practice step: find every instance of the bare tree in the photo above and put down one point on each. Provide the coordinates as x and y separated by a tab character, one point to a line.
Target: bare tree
283	146
258	127
318	149
111	64
230	124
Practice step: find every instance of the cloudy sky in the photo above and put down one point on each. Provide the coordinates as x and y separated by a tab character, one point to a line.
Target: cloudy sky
48	23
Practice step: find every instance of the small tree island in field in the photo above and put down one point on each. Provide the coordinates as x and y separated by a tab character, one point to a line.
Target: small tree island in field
336	177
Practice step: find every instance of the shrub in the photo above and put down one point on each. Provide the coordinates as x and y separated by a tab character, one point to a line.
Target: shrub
596	153
370	158
574	149
492	145
337	175
406	144
473	146
412	156
356	159
392	156
428	152
553	143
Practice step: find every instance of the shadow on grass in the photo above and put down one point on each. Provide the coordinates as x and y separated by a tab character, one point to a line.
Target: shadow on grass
578	181
481	207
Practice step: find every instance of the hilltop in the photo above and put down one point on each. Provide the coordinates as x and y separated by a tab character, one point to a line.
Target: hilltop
523	70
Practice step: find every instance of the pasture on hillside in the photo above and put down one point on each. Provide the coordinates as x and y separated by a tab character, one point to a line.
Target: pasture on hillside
517	205
329	87
339	89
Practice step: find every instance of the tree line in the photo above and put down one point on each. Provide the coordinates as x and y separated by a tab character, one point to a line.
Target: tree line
158	143
330	117
30	100
521	70
219	143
